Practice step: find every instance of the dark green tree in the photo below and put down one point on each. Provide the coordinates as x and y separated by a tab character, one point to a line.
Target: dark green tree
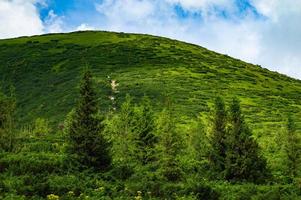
217	155
86	139
292	148
243	159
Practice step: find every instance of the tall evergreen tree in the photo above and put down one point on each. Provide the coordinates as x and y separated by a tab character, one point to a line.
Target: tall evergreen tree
145	128
292	148
217	156
133	129
123	130
170	145
86	140
243	160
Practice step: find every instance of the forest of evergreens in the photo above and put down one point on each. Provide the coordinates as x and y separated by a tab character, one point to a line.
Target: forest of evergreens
133	151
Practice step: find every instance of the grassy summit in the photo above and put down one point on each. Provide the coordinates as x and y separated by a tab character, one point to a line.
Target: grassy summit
45	71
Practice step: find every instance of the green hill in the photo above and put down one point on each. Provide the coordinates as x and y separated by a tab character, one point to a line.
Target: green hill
45	71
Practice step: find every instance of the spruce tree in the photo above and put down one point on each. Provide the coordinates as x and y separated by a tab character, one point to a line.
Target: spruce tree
134	128
124	123
144	128
170	145
86	140
292	148
198	147
243	160
217	156
121	127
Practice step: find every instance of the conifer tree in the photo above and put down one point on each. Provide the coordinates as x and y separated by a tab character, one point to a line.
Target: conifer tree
292	148
170	145
121	127
217	156
133	128
124	126
86	140
198	147
144	128
243	160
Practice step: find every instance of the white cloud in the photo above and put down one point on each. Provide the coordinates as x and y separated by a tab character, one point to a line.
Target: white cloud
19	17
280	36
238	40
85	27
203	5
130	13
127	8
275	9
53	23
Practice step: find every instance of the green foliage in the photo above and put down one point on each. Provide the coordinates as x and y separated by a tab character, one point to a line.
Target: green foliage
218	138
31	163
7	131
243	159
292	149
87	142
145	130
121	130
41	127
170	145
197	148
249	191
67	124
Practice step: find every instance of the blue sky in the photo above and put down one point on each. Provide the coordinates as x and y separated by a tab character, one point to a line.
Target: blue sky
265	32
78	12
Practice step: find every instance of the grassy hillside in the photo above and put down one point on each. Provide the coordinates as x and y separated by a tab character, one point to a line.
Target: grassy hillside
45	71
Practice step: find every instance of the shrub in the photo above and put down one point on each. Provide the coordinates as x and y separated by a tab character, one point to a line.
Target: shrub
41	127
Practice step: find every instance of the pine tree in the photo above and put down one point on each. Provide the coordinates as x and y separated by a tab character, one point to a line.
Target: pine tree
198	147
243	161
123	132
86	140
217	156
170	145
144	128
292	148
133	128
121	127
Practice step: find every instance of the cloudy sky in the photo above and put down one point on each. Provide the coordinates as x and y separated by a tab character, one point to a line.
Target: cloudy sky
265	32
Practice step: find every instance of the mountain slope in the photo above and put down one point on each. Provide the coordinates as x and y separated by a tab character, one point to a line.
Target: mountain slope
45	71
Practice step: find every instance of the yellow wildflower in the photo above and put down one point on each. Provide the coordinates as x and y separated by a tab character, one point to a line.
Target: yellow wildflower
53	197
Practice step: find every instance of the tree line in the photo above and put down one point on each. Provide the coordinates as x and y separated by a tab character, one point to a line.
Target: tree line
138	136
138	142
